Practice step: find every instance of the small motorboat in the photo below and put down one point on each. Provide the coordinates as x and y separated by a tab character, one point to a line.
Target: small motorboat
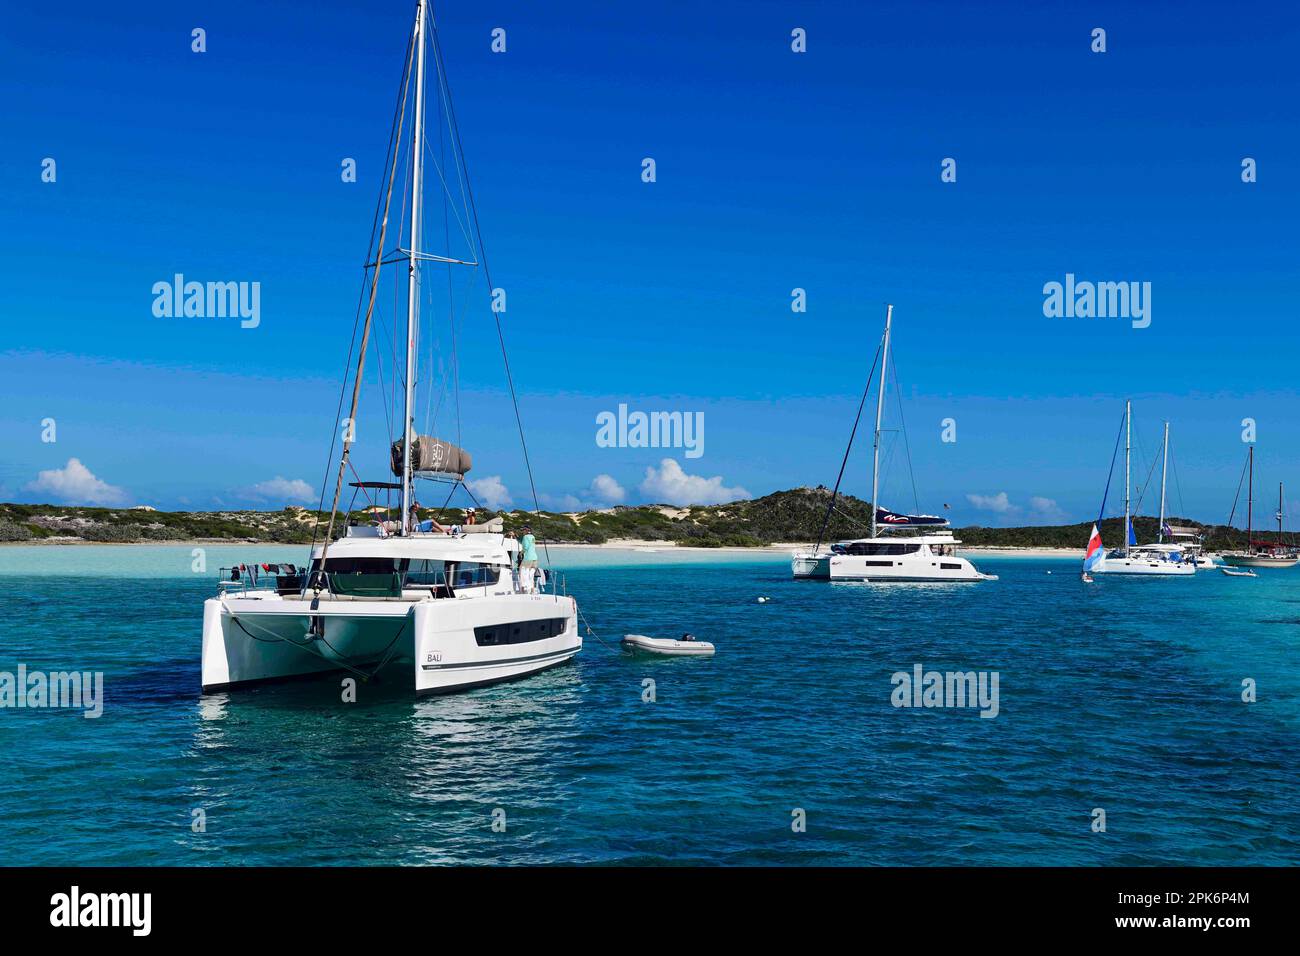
1234	573
1087	578
686	646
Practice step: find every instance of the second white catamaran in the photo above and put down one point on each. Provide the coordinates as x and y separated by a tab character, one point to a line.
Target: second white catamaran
930	556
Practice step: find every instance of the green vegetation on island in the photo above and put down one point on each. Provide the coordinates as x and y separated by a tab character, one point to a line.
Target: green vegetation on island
784	516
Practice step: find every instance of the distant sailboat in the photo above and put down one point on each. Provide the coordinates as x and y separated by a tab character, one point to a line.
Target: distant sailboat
1159	559
929	556
1261	554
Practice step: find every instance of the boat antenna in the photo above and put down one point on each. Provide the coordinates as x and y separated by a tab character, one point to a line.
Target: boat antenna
852	434
880	409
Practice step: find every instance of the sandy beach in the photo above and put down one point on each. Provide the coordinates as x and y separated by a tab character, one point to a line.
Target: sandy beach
620	544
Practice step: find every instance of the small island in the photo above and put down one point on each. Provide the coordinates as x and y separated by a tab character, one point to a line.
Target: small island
779	519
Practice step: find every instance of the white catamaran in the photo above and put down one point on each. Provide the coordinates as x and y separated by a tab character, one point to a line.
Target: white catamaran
450	605
1159	559
929	556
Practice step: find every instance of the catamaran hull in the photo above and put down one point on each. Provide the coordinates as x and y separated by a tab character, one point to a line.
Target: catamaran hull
930	569
449	644
811	567
450	657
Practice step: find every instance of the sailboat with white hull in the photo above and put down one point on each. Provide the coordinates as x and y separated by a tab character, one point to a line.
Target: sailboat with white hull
1161	559
930	556
452	606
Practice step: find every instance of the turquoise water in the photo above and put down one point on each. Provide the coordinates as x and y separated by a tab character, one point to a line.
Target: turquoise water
1123	695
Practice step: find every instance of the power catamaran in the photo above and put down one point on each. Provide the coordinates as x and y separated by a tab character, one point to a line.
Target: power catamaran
930	556
448	605
1261	554
1162	558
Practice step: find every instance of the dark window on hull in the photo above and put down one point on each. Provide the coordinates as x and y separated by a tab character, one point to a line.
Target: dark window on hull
949	567
858	548
357	565
519	632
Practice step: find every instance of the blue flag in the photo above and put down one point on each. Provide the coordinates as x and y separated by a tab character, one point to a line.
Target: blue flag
1132	538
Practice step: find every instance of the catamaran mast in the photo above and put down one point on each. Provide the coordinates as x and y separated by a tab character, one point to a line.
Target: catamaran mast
1128	445
880	410
412	282
1164	473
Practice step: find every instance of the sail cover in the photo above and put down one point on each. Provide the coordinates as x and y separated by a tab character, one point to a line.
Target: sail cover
892	519
432	454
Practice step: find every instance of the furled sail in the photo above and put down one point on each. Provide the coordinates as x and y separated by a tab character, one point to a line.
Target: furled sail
891	519
432	454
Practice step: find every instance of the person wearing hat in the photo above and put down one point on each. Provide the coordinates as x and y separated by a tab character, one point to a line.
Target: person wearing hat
528	559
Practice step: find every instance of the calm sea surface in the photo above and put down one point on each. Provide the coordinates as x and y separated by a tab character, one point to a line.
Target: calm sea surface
1123	695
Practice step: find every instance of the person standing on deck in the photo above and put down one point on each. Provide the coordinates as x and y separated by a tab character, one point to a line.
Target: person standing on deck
528	560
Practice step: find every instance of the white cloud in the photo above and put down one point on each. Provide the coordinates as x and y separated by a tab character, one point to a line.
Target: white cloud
669	484
75	485
281	489
998	503
1046	508
605	488
490	492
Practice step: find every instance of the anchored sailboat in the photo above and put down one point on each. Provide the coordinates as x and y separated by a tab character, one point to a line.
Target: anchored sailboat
1261	554
929	556
448	604
1161	558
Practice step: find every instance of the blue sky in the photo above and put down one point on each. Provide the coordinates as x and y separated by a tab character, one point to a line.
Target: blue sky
775	170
